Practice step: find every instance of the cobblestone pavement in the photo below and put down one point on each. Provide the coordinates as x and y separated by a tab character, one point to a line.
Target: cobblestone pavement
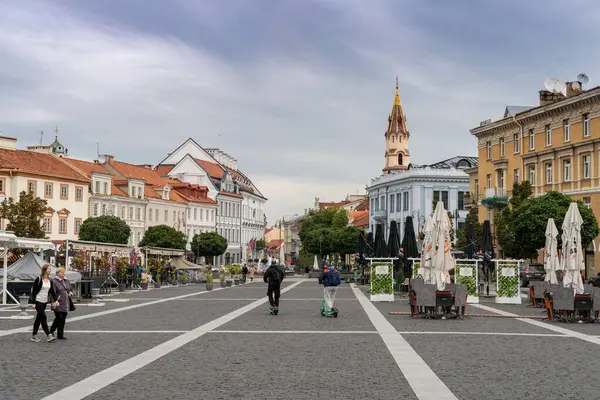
179	343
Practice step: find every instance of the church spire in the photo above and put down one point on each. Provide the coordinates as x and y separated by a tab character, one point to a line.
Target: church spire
397	120
397	156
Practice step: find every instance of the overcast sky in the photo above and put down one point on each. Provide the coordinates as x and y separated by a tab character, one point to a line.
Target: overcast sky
298	91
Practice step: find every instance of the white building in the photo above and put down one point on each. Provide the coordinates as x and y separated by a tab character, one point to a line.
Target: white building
49	177
414	192
233	192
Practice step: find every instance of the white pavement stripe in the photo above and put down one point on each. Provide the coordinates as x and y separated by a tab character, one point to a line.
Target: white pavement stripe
96	331
102	379
113	311
482	333
293	332
545	325
423	381
242	299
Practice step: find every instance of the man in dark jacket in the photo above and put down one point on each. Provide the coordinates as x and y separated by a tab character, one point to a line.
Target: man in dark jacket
244	273
274	276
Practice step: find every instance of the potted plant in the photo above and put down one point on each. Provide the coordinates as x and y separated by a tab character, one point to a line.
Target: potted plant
236	269
183	278
208	275
222	279
144	283
122	273
157	282
229	282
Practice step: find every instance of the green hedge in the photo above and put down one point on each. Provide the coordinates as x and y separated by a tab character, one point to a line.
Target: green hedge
468	281
382	284
416	273
508	286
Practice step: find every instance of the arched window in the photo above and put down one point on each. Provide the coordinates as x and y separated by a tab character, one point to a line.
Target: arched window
400	159
392	139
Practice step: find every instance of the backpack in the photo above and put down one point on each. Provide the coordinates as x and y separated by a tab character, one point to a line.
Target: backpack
274	275
333	277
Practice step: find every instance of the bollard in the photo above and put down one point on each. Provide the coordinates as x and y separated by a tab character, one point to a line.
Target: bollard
95	295
23	305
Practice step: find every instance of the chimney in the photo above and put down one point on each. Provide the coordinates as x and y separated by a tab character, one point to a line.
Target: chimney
547	97
104	158
8	143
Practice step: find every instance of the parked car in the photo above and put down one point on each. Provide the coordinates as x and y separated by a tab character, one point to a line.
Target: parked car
532	272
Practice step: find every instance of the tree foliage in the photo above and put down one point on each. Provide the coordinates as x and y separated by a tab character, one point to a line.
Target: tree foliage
505	218
209	244
530	218
25	216
105	229
164	236
260	244
326	232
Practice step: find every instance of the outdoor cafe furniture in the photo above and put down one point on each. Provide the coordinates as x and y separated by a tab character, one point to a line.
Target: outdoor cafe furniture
562	304
426	301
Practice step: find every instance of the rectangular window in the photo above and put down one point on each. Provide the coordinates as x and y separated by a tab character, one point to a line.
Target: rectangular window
405	201
113	210
166	216
64	192
78	193
202	214
130	214
461	200
548	135
2	183
382	200
587	167
476	190
105	188
222	208
398	202
517	176
501	147
195	214
62	225
517	142
139	214
586	125
48	190
32	187
123	211
501	179
531	140
77	225
48	224
150	215
587	201
139	237
97	188
567	130
548	173
566	171
488	147
391	202
174	216
532	175
441	195
489	181
103	209
157	215
237	207
95	209
189	213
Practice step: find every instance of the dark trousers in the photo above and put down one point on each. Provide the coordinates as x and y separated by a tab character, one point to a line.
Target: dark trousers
58	324
40	318
274	292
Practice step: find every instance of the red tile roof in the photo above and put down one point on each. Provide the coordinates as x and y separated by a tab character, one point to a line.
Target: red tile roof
274	244
231	194
360	219
363	206
163	170
213	169
88	168
44	164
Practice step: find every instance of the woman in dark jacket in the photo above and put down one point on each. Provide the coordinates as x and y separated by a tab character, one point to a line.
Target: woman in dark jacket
41	294
62	287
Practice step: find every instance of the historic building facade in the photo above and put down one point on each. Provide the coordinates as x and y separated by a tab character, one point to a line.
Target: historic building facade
406	189
555	146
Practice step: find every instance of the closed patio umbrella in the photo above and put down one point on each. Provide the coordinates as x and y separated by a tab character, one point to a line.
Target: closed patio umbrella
394	244
370	245
409	246
380	245
443	262
551	260
487	250
427	251
470	250
572	262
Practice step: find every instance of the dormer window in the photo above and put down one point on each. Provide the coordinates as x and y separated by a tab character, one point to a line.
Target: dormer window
165	194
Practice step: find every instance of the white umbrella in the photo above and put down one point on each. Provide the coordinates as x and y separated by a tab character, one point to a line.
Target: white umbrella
281	254
316	264
551	260
443	262
427	251
572	256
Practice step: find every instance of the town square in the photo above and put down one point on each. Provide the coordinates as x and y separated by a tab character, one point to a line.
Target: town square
299	200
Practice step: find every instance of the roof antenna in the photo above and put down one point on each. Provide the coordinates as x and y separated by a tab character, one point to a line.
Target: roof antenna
41	138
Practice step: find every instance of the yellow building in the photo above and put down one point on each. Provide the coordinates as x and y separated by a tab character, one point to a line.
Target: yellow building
553	145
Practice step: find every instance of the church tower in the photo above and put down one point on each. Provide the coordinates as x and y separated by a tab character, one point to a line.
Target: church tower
397	156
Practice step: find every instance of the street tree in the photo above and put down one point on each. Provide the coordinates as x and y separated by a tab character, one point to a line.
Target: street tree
105	229
209	244
504	219
260	245
164	236
326	232
25	216
472	219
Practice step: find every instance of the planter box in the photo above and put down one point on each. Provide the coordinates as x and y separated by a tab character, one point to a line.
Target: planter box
472	299
236	281
229	283
223	284
209	286
157	285
508	300
144	285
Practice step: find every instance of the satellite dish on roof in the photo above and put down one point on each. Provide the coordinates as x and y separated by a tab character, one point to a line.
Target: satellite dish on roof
583	78
555	85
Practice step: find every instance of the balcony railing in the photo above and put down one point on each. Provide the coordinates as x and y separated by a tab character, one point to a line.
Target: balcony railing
495	197
379	214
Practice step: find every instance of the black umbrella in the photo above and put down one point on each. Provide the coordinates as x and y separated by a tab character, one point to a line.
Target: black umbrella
487	250
361	246
370	245
409	246
380	246
470	250
393	244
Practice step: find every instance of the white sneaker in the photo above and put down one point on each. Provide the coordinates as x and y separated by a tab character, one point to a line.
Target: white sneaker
50	338
35	339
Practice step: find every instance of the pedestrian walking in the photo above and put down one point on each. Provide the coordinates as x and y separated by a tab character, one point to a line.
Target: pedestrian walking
64	295
42	293
274	276
330	279
244	273
307	271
